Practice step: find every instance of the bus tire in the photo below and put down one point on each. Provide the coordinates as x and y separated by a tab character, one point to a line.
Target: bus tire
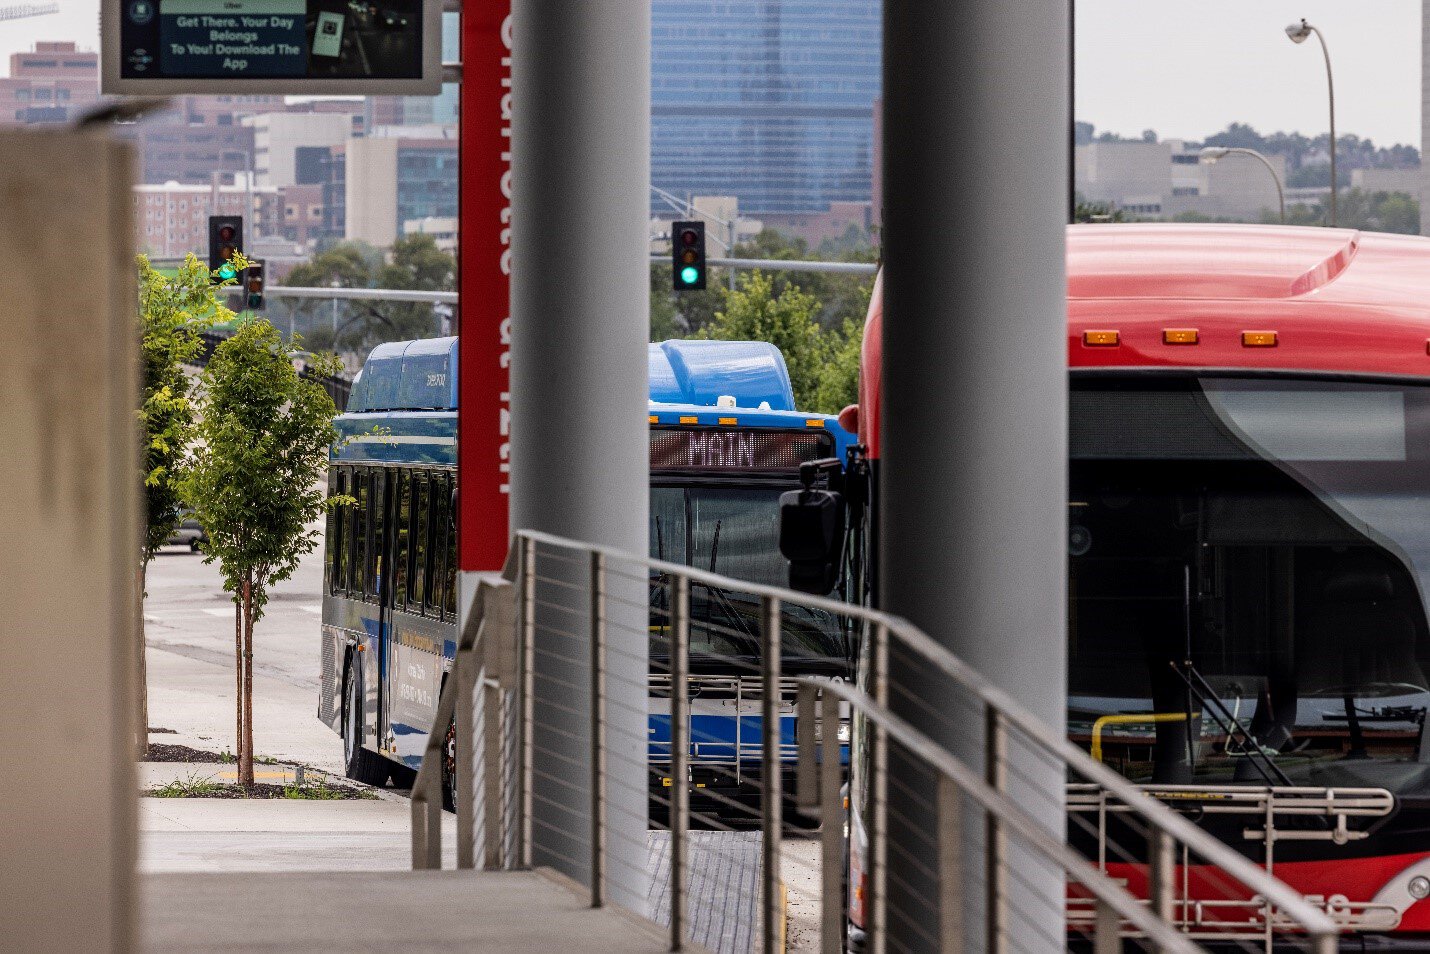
449	767
362	765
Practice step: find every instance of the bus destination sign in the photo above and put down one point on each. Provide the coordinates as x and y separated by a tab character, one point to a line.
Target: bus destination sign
274	46
726	449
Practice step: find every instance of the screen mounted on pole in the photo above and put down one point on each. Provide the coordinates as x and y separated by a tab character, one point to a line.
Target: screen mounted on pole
292	47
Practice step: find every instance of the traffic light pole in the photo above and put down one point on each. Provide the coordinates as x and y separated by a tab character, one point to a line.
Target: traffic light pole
973	487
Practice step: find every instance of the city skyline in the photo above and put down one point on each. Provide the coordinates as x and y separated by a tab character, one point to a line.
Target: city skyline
1182	69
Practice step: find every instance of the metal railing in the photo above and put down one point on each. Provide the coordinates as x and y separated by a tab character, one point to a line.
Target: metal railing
568	601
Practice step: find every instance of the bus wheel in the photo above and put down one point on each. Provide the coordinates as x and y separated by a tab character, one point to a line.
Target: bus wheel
363	765
449	767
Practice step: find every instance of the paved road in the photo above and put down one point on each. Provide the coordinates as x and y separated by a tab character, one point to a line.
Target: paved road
188	623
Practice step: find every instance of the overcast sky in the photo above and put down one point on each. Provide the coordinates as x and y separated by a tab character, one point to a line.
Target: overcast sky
1183	68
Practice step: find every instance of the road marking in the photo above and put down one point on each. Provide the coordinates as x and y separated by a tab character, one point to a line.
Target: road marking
318	610
220	612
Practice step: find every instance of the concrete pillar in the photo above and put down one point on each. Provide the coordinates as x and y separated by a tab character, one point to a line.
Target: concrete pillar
973	487
1424	117
580	316
69	358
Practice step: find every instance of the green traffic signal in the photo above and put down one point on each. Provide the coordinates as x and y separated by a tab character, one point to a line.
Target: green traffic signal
689	275
226	271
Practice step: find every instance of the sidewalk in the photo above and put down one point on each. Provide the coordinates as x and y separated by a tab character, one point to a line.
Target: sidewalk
242	834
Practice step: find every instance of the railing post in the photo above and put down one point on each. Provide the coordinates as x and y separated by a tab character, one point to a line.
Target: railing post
950	866
807	775
771	821
598	730
831	835
877	920
1107	928
526	610
995	844
470	722
1159	873
679	754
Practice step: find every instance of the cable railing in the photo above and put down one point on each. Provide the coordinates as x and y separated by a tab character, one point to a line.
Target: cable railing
591	664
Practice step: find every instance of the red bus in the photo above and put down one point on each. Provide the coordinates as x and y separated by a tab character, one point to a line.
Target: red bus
1249	546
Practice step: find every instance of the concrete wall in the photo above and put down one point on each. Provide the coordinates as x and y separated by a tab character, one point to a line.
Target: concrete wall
69	359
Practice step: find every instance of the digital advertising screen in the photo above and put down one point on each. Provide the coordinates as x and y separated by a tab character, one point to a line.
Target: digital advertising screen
274	46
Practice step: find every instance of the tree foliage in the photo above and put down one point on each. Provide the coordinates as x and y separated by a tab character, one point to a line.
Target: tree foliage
173	311
1359	209
255	481
820	369
415	263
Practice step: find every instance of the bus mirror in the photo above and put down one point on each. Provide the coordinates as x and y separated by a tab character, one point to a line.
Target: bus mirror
812	538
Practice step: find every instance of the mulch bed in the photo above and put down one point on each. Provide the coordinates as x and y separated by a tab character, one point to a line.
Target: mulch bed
159	752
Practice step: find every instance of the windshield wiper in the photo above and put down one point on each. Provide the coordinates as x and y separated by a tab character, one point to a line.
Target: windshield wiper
1232	726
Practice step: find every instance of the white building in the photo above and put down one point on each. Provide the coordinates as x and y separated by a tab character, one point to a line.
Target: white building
277	138
172	219
1160	180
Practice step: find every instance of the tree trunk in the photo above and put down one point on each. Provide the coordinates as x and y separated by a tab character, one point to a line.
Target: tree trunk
246	771
141	740
238	675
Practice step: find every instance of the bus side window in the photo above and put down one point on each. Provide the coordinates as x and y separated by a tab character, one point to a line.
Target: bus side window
372	577
437	545
418	578
401	515
331	551
357	554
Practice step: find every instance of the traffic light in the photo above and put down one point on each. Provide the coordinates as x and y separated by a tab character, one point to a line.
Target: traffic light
225	238
253	285
687	247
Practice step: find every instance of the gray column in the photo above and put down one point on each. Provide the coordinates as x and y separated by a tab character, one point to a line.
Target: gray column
69	362
580	317
1424	117
973	481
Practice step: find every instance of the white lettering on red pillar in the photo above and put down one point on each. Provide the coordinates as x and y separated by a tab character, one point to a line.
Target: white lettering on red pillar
484	365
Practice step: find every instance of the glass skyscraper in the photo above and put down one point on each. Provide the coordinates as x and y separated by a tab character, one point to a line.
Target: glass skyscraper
770	101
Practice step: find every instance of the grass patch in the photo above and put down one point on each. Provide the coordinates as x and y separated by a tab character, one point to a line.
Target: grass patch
190	787
313	790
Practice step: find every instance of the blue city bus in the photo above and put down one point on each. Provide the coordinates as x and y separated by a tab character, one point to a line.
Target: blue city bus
725	442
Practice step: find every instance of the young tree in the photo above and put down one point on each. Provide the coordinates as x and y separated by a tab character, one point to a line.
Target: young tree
173	310
254	481
754	313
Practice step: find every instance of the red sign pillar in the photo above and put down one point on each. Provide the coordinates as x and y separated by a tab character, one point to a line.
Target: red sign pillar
484	232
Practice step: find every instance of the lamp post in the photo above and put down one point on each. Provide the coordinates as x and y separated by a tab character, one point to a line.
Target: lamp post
1211	154
1298	33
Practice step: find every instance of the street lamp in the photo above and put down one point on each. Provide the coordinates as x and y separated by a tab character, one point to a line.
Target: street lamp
1298	33
1211	154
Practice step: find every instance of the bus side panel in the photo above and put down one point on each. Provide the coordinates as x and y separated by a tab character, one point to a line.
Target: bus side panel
418	660
343	626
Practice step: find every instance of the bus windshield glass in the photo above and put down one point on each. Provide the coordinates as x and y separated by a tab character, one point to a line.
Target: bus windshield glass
733	531
1249	559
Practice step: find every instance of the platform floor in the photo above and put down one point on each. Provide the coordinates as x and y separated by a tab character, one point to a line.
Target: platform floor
353	911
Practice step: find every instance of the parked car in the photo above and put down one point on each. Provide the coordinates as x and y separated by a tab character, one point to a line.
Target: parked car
189	532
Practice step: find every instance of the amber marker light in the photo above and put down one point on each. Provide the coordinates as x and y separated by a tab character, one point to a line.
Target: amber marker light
814	422
1258	339
1101	339
729	421
1180	336
654	419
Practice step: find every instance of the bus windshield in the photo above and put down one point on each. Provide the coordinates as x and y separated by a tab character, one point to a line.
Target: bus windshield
733	531
1249	559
